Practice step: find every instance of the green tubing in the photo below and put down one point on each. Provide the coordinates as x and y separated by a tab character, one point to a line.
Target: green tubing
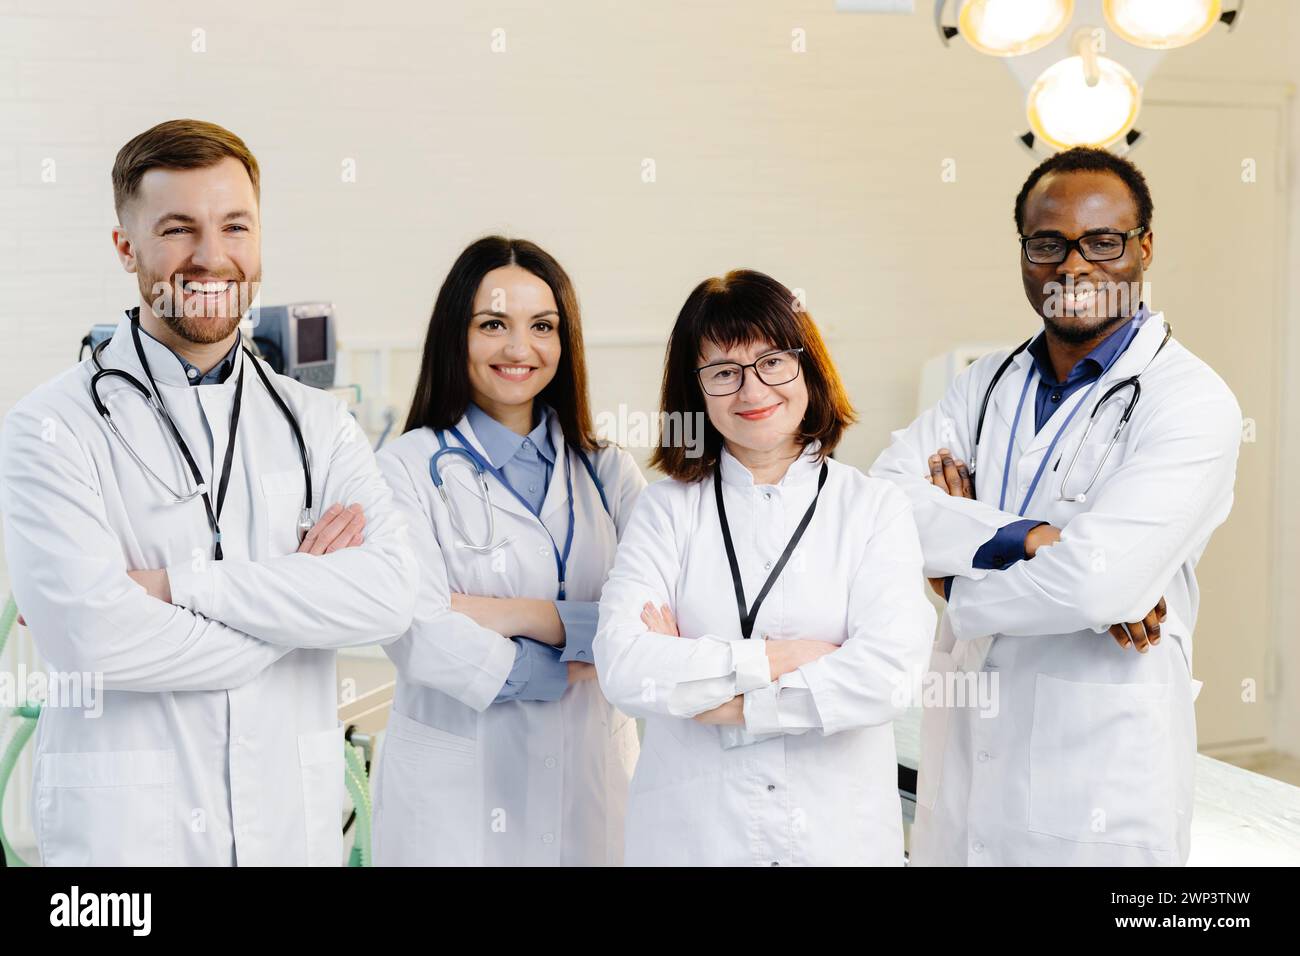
359	789
7	618
26	726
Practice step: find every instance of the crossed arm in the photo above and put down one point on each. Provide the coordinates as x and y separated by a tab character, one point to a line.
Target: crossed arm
951	476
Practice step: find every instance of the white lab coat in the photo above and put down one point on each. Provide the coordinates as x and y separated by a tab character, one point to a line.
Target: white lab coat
1088	758
812	778
219	740
464	781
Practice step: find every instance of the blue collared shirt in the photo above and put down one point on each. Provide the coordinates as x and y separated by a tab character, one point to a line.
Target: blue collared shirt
1007	546
214	376
540	671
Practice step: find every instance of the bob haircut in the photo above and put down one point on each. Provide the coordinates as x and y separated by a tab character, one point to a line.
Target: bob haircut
442	393
738	308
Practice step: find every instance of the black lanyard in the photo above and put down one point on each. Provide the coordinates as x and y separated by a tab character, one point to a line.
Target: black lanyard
747	617
214	515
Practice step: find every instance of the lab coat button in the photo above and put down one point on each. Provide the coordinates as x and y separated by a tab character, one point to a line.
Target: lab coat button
550	763
767	566
548	837
983	756
977	846
544	551
771	786
767	495
776	863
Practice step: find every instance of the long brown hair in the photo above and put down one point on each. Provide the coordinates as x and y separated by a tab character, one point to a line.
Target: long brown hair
442	392
742	307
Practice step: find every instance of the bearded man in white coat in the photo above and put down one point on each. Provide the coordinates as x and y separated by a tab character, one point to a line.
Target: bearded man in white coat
1066	554
154	531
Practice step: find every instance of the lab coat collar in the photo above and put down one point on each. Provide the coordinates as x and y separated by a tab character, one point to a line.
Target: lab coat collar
803	468
165	364
557	492
1007	394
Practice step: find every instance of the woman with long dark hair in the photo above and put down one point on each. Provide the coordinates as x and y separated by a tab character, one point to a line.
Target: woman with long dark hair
500	749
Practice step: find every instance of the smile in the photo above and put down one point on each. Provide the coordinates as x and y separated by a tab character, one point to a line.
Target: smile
758	414
514	373
209	289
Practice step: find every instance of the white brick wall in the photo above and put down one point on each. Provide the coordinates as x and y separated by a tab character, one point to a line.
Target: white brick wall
822	168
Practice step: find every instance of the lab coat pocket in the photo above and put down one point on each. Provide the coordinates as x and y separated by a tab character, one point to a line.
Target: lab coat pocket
106	809
282	498
1095	458
433	813
320	756
934	733
1101	763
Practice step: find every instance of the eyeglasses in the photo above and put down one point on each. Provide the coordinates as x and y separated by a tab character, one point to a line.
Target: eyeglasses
1095	247
727	378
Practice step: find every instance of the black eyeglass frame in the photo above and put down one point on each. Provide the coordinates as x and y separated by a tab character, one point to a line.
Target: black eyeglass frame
1071	244
757	374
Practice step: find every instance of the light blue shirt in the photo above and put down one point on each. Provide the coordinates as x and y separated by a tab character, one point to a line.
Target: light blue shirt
540	671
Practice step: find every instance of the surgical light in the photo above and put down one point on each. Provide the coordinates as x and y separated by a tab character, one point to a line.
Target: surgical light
1011	27
1164	24
1084	100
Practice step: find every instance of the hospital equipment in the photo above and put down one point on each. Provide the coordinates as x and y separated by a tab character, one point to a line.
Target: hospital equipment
298	340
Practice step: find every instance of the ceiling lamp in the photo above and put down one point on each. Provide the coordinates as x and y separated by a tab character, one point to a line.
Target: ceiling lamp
1166	24
1083	100
1007	27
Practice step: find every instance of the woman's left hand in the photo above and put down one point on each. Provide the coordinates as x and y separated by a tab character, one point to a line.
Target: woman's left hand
660	620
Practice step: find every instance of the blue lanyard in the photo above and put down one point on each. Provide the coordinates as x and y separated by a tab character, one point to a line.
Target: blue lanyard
1047	455
561	558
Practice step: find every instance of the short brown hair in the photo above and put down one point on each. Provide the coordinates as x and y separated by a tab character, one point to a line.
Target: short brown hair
742	307
177	144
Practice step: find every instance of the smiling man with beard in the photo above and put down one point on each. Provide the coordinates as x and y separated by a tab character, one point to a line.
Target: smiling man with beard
154	521
1067	554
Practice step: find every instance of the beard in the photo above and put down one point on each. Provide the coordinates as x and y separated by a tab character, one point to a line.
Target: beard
193	319
1079	334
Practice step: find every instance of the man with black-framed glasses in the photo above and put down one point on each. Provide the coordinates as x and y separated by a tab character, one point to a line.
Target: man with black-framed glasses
1058	489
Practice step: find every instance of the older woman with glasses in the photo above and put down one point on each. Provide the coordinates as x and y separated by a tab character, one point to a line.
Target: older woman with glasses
766	611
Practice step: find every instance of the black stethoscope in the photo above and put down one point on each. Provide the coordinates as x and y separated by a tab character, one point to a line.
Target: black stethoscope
1132	383
154	400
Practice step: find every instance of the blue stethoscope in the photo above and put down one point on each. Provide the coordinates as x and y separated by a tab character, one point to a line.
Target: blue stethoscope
483	468
1132	383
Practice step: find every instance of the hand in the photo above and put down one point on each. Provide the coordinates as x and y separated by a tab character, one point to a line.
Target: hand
492	613
512	617
337	528
732	712
1142	634
784	656
659	621
155	582
1042	536
578	671
950	474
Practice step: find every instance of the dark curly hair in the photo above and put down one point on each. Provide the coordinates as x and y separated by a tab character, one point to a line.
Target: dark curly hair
1091	160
